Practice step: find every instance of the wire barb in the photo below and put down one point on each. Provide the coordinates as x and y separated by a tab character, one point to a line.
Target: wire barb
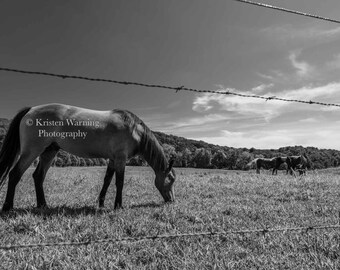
179	88
270	98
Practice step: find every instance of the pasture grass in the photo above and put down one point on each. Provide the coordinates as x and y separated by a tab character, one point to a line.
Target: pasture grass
206	200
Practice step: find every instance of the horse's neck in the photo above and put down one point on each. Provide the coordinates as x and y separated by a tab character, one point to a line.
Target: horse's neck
153	154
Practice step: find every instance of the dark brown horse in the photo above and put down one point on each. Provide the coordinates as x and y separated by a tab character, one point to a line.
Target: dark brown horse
267	163
301	169
279	162
298	163
115	135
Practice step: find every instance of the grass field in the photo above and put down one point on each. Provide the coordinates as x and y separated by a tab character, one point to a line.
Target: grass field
206	200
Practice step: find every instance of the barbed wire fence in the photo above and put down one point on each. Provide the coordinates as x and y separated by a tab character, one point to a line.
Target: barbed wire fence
263	232
175	88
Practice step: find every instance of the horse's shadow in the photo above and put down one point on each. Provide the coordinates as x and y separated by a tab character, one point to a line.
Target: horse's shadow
68	211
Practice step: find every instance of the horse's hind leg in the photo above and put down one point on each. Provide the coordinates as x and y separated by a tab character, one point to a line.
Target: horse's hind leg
23	163
107	180
45	161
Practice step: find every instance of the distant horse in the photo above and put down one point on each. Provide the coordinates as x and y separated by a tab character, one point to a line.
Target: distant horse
266	163
299	163
279	162
115	135
301	169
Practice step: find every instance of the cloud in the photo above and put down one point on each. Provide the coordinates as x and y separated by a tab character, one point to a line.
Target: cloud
308	120
256	139
262	87
277	76
231	103
241	107
266	76
190	125
303	69
249	122
325	93
199	121
315	135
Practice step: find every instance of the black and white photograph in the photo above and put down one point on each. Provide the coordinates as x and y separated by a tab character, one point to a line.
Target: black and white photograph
181	134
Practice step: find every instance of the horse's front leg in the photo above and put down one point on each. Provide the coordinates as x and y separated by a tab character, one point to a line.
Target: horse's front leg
119	189
107	180
120	171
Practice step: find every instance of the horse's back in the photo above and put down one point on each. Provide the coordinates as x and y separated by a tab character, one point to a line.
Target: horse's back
80	131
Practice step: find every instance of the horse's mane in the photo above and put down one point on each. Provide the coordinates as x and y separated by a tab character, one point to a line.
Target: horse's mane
149	146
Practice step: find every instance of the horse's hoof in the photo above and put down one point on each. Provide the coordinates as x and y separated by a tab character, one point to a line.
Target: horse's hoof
6	208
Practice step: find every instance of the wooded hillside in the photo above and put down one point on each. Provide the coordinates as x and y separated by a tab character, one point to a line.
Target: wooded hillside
199	154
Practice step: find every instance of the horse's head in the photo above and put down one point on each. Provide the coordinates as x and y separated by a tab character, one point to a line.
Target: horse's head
165	182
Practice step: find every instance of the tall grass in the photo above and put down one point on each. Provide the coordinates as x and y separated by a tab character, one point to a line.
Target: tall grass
207	200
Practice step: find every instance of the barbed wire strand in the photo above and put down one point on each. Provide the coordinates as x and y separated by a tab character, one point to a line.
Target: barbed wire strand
289	10
176	88
168	236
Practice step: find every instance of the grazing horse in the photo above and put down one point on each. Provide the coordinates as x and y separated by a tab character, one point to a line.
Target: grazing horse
115	135
279	162
299	163
266	163
301	169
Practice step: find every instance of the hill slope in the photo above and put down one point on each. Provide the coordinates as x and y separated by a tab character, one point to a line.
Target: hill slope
199	154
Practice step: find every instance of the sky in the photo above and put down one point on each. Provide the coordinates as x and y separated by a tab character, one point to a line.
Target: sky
217	45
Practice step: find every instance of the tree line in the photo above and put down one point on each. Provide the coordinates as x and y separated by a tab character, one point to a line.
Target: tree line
199	154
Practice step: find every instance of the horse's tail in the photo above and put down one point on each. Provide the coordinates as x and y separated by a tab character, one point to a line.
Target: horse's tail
11	145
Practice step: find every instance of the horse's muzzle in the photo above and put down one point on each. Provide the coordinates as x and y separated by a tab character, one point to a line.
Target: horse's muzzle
169	196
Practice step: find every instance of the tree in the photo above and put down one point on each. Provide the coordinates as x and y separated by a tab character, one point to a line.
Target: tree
231	157
82	162
74	160
89	162
219	160
103	162
202	158
186	157
59	162
137	161
169	151
65	157
178	160
243	159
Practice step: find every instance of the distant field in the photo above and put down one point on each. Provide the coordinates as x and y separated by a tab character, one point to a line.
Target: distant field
207	200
